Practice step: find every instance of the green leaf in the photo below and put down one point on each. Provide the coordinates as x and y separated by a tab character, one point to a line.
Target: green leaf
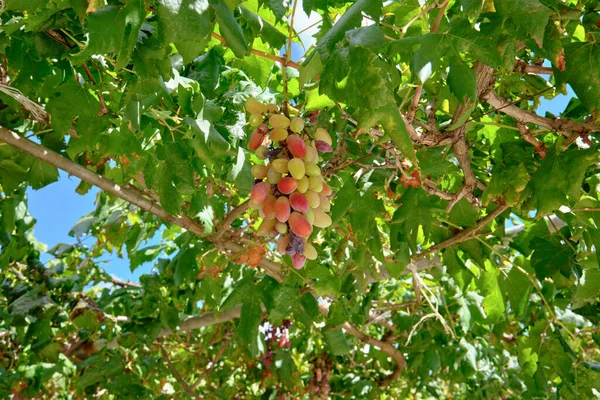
493	302
113	29
336	341
558	179
41	174
261	28
530	16
550	256
73	101
230	29
464	214
462	81
186	268
588	289
371	37
247	329
11	175
472	7
462	37
517	287
277	6
582	72
508	181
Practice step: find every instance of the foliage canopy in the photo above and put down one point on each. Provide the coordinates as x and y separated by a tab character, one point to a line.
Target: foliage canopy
462	260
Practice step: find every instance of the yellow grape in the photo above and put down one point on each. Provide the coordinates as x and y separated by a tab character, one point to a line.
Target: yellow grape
310	216
309	251
281	228
322	134
260	152
322	220
260	171
280	165
312	155
313	199
303	184
266	226
278	134
279	121
273	177
297	125
315	184
312	169
254	106
296	168
325	204
256	120
272	108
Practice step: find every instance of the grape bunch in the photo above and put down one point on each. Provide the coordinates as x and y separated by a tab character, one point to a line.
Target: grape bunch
289	191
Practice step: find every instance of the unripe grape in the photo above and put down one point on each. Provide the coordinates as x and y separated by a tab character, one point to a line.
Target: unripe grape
266	227
282	244
325	204
309	251
256	120
280	165
312	156
322	220
312	169
315	184
299	202
273	177
282	209
313	199
279	121
260	152
297	146
281	228
326	189
296	168
322	134
254	106
297	125
279	134
272	108
259	192
268	207
298	261
303	184
310	216
287	185
260	171
299	225
256	139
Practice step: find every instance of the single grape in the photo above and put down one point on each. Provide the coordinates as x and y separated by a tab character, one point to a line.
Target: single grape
322	220
272	108
279	121
323	135
310	216
315	184
256	139
326	189
282	244
273	177
297	125
325	204
278	135
256	120
259	192
254	106
280	165
299	202
299	225
303	184
312	155
313	199
260	152
323	147
312	169
266	227
296	168
282	209
260	171
287	185
309	251
298	261
297	146
268	207
281	228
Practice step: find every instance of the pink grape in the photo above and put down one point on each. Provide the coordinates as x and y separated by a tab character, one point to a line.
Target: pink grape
282	244
256	139
298	261
287	185
297	146
299	225
268	207
282	209
326	190
259	192
299	202
324	204
323	147
266	227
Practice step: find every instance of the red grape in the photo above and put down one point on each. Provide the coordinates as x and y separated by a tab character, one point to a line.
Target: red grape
298	261
297	146
259	192
299	225
287	185
282	209
299	202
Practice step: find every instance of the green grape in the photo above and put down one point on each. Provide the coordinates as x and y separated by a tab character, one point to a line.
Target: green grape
297	125
279	121
296	168
256	120
254	106
303	184
315	184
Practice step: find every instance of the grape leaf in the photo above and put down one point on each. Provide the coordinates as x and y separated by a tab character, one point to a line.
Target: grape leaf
530	16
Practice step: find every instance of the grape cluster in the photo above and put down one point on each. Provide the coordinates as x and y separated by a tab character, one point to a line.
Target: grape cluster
289	190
